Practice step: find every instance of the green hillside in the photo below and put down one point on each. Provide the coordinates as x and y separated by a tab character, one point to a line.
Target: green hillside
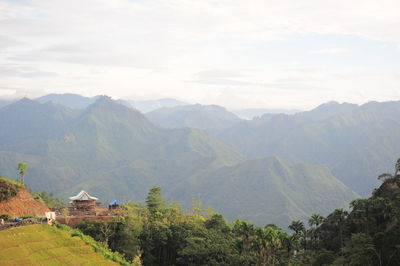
46	245
269	190
356	143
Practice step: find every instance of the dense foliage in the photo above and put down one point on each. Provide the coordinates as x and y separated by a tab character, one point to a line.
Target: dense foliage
368	234
162	234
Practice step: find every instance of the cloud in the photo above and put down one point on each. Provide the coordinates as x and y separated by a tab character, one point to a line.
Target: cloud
330	51
7	42
154	47
220	73
24	72
225	82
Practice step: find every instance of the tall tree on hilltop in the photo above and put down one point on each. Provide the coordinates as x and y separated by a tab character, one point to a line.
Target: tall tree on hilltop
385	176
22	168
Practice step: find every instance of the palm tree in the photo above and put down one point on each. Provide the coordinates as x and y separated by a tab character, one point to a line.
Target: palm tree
340	216
316	220
297	226
245	231
299	230
266	244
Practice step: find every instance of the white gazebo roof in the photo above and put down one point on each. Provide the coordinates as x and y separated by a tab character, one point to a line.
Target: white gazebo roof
83	195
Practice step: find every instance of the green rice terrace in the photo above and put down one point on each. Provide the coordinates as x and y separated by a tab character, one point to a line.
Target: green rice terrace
42	244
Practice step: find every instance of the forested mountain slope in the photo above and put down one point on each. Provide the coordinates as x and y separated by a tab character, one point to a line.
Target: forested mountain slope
108	148
270	190
211	118
356	143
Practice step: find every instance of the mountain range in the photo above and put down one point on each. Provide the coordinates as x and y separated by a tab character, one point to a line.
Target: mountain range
357	143
211	118
115	152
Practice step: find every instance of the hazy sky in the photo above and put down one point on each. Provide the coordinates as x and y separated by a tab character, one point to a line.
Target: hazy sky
261	53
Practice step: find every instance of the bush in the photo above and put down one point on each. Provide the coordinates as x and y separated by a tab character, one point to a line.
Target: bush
6	217
8	189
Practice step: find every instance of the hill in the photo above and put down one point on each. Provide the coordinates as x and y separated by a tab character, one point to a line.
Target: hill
357	143
269	189
211	118
19	203
46	245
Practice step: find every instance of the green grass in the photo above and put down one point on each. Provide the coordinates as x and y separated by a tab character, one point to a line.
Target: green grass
47	245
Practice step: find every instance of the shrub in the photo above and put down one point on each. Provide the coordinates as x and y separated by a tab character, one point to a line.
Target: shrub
8	189
6	217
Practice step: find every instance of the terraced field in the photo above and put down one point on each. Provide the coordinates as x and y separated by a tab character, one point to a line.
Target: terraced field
41	244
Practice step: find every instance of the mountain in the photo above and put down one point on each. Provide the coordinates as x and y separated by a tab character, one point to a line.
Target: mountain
151	105
26	125
211	118
70	100
328	110
115	152
109	148
269	189
4	102
356	142
251	113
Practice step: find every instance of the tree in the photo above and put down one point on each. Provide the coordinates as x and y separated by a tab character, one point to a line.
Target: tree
155	201
22	167
315	220
339	218
386	176
297	226
397	167
360	250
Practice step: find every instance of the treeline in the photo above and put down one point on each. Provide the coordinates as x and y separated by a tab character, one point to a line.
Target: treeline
160	233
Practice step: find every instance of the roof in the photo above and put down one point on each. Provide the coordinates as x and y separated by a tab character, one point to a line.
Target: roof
115	202
83	195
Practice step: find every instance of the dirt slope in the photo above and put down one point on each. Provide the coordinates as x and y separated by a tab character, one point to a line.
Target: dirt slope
23	204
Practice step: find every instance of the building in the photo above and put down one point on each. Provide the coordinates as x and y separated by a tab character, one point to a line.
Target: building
83	204
115	205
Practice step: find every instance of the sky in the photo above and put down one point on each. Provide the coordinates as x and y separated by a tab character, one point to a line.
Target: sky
293	54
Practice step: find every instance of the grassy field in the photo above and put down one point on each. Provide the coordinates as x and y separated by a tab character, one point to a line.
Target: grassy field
46	245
